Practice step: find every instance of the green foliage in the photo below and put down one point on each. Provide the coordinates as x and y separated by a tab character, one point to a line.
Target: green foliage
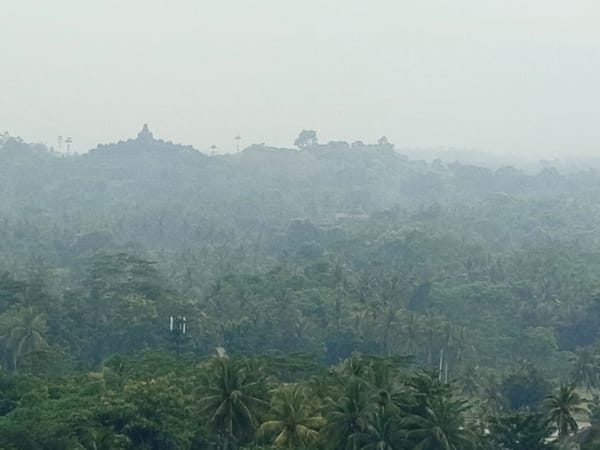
233	395
562	406
289	262
521	431
292	421
525	388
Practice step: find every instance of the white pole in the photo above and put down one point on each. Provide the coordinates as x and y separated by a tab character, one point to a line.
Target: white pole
446	373
171	324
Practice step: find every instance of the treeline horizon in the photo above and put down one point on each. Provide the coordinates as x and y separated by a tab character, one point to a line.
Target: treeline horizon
530	164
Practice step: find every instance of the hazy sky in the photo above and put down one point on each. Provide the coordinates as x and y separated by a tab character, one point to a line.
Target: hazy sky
499	76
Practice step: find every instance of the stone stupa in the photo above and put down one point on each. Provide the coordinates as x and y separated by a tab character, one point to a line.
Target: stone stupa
145	135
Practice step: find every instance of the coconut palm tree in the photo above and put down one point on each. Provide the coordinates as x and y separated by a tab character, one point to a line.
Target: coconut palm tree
470	381
293	422
355	367
490	391
440	426
320	385
231	397
346	412
584	368
432	324
461	344
387	391
411	331
390	317
561	406
382	432
22	331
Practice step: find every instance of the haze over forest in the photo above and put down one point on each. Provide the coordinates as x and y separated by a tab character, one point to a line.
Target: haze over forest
334	225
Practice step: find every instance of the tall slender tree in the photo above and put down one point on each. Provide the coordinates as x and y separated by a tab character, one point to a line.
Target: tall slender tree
22	331
441	426
584	368
232	397
562	406
346	412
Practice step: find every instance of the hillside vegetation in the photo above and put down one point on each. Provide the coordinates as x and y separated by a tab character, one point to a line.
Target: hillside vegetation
357	299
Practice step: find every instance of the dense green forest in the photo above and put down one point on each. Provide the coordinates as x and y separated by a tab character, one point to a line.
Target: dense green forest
333	296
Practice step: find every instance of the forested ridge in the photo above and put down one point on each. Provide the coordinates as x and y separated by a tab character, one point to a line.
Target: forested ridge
334	296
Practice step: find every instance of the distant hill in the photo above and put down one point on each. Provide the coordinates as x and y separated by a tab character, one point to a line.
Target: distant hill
144	146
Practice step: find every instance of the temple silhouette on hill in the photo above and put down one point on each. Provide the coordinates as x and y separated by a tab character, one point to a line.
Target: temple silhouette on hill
144	144
145	134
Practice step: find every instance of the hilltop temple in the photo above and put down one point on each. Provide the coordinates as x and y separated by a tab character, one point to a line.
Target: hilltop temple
145	135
